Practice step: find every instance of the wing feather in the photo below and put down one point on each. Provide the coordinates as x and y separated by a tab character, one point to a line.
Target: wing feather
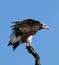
20	28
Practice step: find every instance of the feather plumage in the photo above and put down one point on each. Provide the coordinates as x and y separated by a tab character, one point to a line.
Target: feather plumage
22	30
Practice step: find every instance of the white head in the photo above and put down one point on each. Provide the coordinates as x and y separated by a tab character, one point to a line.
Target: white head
44	26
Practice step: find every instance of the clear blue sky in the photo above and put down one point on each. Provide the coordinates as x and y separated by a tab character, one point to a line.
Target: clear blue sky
45	42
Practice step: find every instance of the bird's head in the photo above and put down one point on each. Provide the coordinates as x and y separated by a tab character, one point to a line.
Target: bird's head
44	26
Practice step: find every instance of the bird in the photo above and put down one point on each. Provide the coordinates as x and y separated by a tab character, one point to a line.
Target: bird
23	32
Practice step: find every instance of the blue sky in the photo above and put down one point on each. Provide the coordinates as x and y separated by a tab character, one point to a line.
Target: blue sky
45	42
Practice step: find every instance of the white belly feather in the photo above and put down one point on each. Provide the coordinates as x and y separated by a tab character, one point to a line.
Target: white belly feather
30	38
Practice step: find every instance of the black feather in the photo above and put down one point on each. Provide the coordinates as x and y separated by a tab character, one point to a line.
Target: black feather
15	45
9	43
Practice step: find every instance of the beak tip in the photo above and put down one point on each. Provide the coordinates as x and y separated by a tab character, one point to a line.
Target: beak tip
47	28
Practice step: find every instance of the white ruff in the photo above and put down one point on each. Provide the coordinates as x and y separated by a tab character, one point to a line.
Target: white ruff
30	38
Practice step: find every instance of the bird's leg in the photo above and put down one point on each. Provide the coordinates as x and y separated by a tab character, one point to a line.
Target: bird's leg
27	42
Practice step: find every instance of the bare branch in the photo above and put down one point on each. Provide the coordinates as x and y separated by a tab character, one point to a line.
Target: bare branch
35	55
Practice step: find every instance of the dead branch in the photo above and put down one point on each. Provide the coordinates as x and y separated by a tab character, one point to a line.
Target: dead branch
35	55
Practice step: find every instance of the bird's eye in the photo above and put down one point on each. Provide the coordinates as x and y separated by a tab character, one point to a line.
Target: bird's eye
44	25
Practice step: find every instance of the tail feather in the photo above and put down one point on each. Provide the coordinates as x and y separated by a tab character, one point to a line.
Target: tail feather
9	44
15	45
14	41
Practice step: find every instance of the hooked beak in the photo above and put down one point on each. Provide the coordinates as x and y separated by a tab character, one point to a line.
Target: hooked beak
47	28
